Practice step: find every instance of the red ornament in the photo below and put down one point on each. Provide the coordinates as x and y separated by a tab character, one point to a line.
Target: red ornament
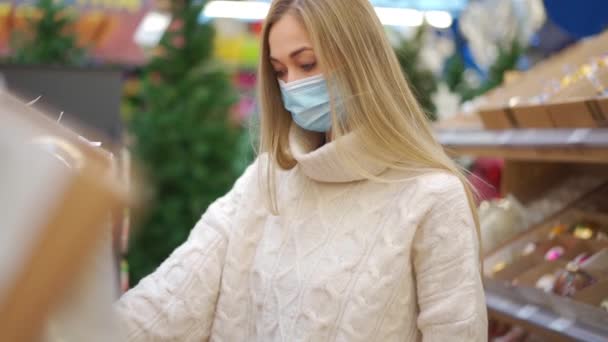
178	41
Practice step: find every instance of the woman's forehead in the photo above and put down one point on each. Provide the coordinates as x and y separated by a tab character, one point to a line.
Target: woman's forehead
286	36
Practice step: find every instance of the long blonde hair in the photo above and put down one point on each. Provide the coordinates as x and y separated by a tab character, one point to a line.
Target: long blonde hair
352	48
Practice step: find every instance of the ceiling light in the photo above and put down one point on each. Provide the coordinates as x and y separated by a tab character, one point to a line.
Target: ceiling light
257	10
151	29
399	16
245	10
438	19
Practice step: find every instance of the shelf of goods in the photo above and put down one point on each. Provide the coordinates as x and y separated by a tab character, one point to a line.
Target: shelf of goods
509	305
537	161
545	242
589	145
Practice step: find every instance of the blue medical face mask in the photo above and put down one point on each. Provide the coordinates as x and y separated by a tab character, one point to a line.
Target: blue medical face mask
308	102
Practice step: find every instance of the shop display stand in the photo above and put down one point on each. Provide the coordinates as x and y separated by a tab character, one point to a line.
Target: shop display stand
507	304
584	145
536	160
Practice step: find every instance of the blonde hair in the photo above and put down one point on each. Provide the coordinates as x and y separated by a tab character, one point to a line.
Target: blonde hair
363	73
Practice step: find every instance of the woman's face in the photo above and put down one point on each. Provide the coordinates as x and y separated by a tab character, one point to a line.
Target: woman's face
291	52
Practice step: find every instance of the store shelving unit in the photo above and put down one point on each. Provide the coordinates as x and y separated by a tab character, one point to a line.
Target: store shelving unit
557	145
535	159
578	322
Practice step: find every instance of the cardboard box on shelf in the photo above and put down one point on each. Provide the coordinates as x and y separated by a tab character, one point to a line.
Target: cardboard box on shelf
510	251
582	88
594	294
597	264
540	78
526	270
531	276
532	116
533	81
497	119
521	265
577	113
460	121
602	108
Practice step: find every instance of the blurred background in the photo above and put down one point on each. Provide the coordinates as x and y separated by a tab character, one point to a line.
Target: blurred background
172	84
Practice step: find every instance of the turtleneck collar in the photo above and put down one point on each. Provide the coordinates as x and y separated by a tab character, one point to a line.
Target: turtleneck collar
321	162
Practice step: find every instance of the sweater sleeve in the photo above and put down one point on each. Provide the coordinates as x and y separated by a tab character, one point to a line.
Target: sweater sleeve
177	302
450	293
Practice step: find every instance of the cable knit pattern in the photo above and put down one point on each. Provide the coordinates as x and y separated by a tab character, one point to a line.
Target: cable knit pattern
347	259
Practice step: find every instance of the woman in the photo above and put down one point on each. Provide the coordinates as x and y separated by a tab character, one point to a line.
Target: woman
352	225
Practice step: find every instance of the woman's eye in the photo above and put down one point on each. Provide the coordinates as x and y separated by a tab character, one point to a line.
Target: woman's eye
308	67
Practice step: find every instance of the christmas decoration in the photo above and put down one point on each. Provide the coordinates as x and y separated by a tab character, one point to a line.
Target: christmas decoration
447	103
455	73
493	25
49	37
421	79
183	135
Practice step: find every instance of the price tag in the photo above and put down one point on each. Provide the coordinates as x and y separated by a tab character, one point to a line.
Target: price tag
504	138
448	137
578	135
561	324
527	311
499	303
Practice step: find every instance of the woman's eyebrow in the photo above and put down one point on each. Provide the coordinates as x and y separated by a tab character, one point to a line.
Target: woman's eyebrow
293	54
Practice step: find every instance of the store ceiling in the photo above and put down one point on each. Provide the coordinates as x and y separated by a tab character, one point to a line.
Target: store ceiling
453	6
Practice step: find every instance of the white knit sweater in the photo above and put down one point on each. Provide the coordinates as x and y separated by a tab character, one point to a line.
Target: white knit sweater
347	259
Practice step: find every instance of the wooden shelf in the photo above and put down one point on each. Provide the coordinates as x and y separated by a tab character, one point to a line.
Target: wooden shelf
582	145
561	320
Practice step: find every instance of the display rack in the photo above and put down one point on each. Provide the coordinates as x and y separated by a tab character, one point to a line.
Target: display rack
535	159
557	145
581	323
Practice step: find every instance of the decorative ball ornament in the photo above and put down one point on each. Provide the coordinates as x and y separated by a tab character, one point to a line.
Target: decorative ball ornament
546	282
557	230
584	231
555	253
572	280
499	267
604	304
529	248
